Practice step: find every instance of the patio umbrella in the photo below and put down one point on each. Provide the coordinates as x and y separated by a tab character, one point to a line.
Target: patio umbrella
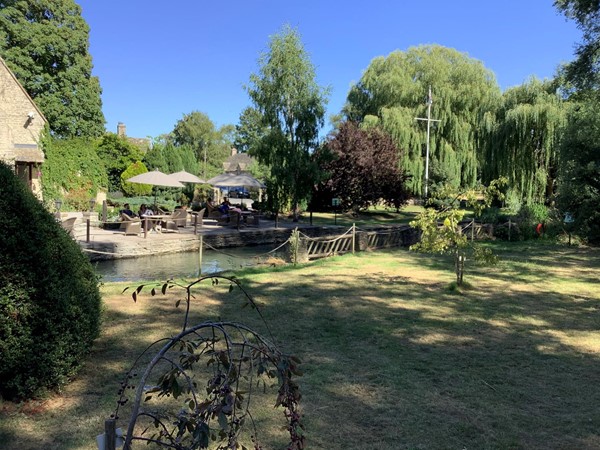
155	178
235	180
186	177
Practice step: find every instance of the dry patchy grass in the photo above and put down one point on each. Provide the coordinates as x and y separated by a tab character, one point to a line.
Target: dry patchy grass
392	358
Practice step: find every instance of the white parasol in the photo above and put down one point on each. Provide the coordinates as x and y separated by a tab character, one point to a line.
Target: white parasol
186	177
155	178
233	180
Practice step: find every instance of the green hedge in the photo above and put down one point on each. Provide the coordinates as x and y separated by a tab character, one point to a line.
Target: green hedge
49	297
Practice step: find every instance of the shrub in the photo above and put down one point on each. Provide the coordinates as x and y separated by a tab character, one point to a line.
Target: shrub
49	297
529	216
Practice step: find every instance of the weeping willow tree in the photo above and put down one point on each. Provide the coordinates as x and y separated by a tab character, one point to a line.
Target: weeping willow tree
393	91
523	145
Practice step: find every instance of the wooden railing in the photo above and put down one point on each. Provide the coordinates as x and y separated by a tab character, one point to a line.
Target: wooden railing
356	240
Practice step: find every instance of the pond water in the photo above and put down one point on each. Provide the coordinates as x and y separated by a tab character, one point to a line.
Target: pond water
180	265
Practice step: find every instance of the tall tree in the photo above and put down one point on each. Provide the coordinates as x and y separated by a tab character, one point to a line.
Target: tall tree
584	71
118	154
249	130
393	92
292	105
46	45
579	191
523	145
211	145
363	169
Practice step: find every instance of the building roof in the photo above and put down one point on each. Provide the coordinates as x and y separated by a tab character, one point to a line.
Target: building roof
237	162
38	110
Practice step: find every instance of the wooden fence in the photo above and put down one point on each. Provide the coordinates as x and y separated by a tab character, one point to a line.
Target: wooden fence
354	240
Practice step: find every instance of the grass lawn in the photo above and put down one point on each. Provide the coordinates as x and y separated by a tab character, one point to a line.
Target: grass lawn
392	358
374	216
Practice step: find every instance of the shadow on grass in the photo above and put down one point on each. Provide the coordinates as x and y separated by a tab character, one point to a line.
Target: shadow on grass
391	358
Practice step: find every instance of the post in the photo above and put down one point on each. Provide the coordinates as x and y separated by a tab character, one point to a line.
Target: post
145	219
196	223
311	217
353	237
110	434
87	230
200	249
472	230
509	228
429	120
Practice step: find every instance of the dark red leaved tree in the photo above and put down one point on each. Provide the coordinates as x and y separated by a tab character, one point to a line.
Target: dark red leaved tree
363	168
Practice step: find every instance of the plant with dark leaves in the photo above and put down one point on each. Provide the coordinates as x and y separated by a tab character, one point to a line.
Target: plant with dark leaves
208	373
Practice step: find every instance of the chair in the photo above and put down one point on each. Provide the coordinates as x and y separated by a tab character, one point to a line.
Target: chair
68	225
213	212
233	218
198	218
130	225
252	219
178	219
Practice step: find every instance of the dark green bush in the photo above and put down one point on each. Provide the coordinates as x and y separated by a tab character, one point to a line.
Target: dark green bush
49	297
529	217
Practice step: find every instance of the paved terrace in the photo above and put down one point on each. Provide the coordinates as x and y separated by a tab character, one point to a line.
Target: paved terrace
112	244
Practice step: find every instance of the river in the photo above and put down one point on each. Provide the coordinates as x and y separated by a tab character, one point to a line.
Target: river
180	265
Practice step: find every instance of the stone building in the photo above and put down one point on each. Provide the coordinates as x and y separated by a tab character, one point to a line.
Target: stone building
144	144
21	125
238	162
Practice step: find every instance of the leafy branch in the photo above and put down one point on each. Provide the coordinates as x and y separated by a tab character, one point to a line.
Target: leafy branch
211	370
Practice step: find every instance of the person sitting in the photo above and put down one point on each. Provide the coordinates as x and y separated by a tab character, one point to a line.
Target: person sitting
225	206
127	210
145	211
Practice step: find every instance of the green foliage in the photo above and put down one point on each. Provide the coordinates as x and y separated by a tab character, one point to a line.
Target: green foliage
393	91
238	359
135	189
579	191
523	143
442	231
584	71
46	45
292	107
210	146
249	131
72	170
49	297
118	154
363	169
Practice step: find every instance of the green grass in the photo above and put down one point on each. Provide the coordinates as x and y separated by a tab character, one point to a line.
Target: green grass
374	216
393	357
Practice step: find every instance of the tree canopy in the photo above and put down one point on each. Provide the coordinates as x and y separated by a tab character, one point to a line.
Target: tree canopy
210	145
363	169
46	45
584	70
118	154
579	192
392	93
523	142
292	107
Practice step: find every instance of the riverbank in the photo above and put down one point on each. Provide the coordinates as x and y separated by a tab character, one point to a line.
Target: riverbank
114	244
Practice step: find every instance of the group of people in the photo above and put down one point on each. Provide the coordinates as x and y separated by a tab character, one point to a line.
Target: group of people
144	211
224	207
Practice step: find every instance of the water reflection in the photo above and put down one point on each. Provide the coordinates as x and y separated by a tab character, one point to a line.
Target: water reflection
179	265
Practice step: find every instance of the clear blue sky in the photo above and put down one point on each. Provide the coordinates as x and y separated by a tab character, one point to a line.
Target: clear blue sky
160	60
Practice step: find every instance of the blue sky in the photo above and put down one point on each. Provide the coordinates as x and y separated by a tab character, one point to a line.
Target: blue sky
158	61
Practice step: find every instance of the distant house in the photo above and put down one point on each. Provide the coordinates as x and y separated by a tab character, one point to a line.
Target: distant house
21	125
237	162
143	144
